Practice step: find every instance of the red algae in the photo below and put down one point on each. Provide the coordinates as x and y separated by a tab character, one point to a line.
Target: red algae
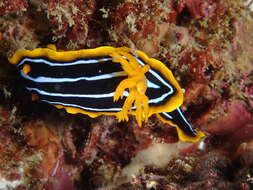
143	22
70	20
198	8
7	7
207	45
40	137
234	116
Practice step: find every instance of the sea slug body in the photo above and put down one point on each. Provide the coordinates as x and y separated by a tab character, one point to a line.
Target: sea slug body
105	81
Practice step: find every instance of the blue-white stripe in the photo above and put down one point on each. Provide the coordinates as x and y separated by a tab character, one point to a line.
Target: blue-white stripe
60	64
45	93
82	107
182	115
108	95
167	115
43	79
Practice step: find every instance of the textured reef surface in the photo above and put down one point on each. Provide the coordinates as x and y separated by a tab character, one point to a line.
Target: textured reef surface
208	44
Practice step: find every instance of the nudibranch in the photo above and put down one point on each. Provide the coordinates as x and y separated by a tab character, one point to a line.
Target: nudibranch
105	81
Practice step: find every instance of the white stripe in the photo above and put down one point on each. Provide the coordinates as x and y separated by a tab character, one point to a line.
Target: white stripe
185	120
159	99
59	80
84	108
125	93
77	62
152	85
109	95
167	115
53	80
42	92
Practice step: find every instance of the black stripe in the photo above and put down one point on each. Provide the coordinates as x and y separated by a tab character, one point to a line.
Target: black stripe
80	87
98	103
156	93
180	122
72	71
